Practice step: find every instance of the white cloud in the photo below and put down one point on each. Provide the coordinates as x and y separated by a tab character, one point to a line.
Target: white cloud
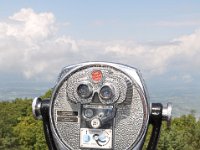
103	22
30	44
187	78
28	25
183	23
184	78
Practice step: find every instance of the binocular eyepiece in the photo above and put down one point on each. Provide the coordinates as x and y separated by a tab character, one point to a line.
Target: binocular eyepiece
99	105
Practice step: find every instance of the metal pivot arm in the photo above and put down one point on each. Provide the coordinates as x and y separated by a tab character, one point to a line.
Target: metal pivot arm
158	114
156	121
40	110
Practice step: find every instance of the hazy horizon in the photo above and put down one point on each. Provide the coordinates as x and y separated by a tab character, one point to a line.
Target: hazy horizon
183	98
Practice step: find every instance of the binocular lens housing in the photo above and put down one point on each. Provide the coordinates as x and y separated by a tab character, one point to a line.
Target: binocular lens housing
84	90
106	92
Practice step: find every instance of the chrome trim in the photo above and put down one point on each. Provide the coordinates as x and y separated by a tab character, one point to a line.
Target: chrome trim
167	114
36	105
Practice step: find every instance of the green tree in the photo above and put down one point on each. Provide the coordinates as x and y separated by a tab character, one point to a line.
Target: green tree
184	134
30	134
18	128
10	112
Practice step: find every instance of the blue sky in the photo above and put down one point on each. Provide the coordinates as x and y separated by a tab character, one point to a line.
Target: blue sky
140	20
38	38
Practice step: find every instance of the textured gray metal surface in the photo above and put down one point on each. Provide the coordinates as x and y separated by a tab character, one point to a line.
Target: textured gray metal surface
67	131
129	125
129	122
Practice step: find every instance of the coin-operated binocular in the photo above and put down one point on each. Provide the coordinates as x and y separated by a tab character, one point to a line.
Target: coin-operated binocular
100	105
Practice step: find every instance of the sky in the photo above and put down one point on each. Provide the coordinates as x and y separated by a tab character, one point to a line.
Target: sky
161	38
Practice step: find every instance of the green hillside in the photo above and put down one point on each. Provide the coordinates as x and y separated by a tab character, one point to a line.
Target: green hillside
19	130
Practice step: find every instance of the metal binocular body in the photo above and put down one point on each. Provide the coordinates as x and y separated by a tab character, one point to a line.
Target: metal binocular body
99	105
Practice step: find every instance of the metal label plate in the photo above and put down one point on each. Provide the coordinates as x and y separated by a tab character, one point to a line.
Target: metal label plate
67	116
